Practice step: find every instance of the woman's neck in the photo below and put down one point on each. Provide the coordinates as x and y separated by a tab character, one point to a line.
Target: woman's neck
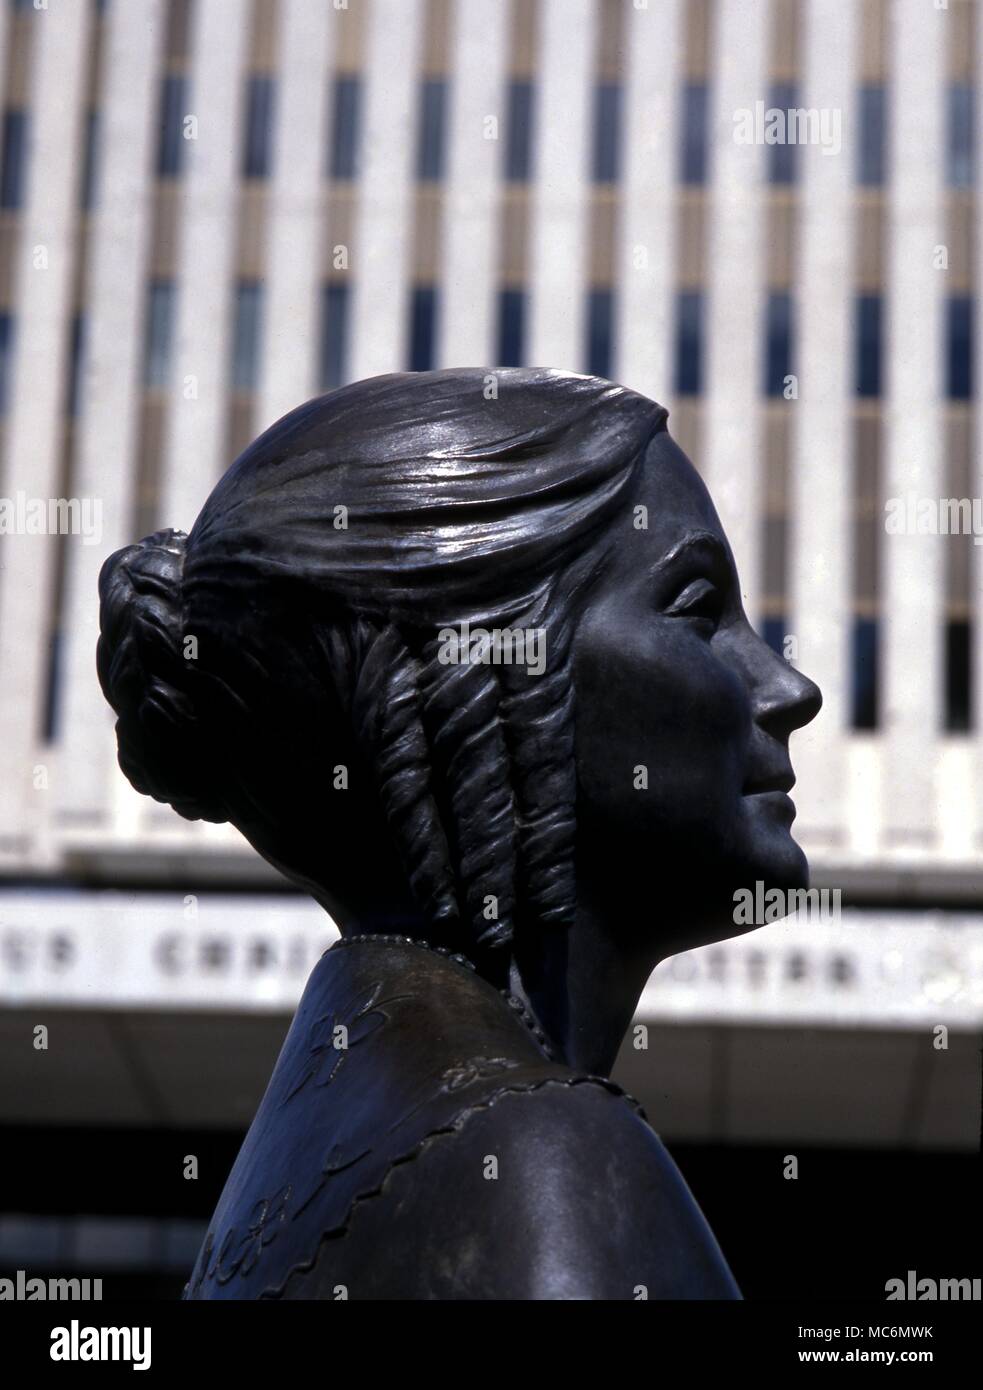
583	987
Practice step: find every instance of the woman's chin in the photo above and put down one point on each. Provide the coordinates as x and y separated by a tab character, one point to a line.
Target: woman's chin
771	856
752	894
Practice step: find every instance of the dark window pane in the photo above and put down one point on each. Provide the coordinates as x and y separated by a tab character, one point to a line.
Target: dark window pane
958	676
873	134
778	350
694	134
13	177
511	326
607	132
600	314
345	128
334	335
422	315
689	343
53	684
518	137
90	168
773	535
959	348
868	329
959	143
77	364
864	672
6	359
258	152
430	148
172	113
782	157
248	324
773	632
160	323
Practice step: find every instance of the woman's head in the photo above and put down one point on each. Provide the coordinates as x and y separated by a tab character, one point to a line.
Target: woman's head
366	653
681	701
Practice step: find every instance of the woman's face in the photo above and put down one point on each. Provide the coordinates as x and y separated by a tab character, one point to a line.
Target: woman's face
683	720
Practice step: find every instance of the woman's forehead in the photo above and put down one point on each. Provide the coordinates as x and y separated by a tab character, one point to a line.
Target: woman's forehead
672	491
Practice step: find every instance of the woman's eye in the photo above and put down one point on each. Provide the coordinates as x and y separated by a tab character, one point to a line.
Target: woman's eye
699	599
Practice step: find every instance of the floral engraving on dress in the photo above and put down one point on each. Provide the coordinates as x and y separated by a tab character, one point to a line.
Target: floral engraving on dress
328	1049
238	1253
475	1069
457	1078
202	1266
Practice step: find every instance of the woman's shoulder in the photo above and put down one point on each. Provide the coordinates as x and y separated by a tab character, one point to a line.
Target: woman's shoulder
561	1190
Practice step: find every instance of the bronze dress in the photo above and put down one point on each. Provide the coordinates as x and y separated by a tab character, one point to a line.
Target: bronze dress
417	1140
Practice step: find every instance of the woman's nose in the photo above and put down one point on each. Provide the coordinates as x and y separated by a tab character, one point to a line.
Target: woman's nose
784	699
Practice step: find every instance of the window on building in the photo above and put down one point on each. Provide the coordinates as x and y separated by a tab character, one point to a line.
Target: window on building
600	316
511	327
689	343
868	342
518	136
773	631
430	135
773	534
958	676
783	157
959	348
257	155
334	335
178	36
160	332
959	135
345	124
77	365
873	135
778	345
863	712
50	719
90	170
693	164
170	145
246	336
423	307
13	174
6	359
607	132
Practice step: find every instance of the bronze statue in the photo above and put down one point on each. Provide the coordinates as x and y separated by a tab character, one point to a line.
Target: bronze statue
463	654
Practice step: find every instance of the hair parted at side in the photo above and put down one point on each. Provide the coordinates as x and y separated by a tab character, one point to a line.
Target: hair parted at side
315	582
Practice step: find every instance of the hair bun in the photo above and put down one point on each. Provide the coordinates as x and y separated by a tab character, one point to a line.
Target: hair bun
143	670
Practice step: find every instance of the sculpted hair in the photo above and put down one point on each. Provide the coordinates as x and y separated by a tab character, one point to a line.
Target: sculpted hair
315	584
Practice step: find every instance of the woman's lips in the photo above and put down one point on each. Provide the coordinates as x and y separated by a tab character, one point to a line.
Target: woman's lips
782	781
775	800
770	790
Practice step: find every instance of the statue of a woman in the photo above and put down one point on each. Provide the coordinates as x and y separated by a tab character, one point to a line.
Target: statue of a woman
470	665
